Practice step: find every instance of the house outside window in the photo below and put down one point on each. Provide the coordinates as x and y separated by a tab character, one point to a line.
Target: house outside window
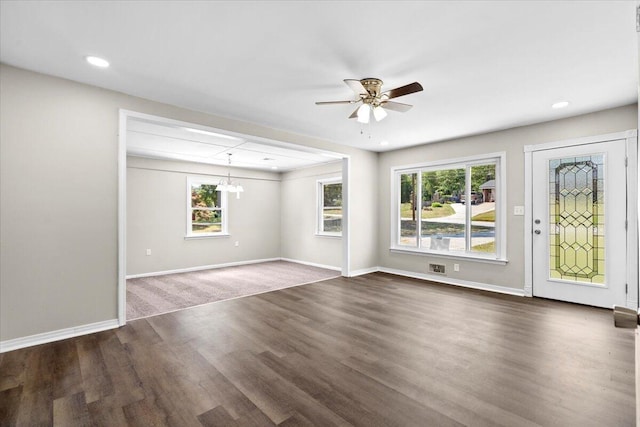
329	215
206	208
454	207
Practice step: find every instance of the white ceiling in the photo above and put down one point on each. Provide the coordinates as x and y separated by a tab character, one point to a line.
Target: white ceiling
154	139
484	65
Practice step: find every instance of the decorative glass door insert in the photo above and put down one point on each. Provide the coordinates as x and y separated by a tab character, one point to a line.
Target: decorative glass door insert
579	215
576	219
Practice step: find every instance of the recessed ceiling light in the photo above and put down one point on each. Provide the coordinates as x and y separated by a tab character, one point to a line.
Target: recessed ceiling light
384	142
561	104
274	167
98	62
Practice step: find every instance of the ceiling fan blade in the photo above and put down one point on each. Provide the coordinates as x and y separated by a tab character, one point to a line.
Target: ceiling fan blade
356	86
334	102
354	114
403	90
396	106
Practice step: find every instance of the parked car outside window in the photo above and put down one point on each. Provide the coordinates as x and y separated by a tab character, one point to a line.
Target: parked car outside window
476	198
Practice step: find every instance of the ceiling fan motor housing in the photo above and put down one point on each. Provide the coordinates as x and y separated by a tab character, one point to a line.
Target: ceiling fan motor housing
373	86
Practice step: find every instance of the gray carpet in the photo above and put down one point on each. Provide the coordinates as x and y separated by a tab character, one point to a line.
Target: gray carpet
149	296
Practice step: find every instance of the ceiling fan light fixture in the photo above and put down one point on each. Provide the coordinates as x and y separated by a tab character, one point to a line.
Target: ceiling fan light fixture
363	113
379	113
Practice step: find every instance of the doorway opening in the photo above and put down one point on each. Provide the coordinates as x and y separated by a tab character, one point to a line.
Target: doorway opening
163	229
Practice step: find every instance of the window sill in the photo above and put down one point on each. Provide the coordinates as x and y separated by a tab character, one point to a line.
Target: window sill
207	236
331	236
466	257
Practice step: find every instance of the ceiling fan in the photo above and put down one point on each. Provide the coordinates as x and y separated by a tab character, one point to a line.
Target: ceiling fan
369	92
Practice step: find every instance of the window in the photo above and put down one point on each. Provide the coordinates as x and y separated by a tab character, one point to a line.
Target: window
206	209
329	207
453	207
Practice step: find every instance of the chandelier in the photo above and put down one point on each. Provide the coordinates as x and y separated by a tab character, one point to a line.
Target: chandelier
227	185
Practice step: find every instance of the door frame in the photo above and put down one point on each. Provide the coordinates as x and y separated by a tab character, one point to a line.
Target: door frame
631	138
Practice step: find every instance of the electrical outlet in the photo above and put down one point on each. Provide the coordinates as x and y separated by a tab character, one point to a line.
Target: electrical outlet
148	252
237	244
456	267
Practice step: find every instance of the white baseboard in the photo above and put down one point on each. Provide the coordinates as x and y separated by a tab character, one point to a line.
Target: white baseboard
60	334
312	264
362	271
203	267
456	282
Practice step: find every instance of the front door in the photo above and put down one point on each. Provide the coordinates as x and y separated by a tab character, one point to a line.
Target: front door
579	214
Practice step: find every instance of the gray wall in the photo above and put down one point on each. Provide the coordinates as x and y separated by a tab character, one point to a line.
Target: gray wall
299	206
156	217
512	141
58	198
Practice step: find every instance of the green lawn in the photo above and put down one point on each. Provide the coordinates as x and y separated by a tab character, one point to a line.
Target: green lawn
485	216
333	211
445	210
485	247
206	228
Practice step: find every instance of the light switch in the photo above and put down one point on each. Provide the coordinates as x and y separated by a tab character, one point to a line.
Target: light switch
518	210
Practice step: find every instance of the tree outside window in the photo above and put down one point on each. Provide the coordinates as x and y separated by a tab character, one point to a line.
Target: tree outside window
206	210
449	207
329	207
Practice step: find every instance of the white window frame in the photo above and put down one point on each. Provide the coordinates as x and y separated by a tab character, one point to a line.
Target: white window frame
194	181
499	159
320	206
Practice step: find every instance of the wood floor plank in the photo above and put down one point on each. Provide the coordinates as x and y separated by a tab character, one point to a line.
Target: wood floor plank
217	417
36	403
67	377
14	368
9	404
95	376
103	415
146	412
375	350
71	410
255	418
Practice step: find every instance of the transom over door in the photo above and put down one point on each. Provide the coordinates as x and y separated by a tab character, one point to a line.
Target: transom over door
579	214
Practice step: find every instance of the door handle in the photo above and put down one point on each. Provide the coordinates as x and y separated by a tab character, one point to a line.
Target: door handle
536	231
624	317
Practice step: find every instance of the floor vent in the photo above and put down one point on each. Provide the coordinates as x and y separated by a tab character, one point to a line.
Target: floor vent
436	268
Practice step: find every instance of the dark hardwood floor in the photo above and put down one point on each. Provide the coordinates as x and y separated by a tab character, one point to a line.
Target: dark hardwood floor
369	351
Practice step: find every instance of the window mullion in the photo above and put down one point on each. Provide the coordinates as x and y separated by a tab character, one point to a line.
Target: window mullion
320	224
398	211
419	208
467	220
